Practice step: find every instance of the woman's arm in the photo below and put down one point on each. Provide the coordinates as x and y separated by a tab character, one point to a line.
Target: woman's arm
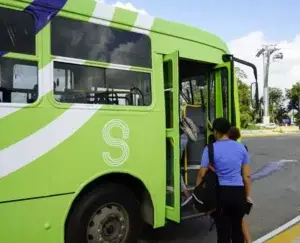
204	166
200	175
247	179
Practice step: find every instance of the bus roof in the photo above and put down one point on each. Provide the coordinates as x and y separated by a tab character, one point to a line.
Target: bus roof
189	33
102	12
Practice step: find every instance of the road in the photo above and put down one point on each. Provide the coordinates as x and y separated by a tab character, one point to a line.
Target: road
276	198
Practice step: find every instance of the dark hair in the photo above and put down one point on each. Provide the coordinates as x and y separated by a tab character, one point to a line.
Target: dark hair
234	133
221	125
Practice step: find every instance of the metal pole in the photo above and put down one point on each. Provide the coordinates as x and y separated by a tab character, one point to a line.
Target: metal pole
266	84
266	51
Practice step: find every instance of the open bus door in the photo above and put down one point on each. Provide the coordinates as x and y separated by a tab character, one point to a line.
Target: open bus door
227	100
171	93
224	93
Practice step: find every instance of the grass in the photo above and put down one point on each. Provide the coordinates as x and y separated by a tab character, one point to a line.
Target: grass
251	127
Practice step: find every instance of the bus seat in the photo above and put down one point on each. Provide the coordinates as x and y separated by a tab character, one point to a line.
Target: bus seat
194	150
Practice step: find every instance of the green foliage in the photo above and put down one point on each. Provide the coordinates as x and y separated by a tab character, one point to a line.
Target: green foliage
276	108
275	96
293	96
252	127
246	115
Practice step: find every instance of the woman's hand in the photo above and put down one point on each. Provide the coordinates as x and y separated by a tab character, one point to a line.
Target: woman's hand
249	199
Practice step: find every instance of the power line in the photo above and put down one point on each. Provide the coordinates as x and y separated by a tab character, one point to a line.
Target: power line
266	51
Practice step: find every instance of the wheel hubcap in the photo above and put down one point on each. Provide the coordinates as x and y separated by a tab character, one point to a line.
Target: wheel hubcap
109	224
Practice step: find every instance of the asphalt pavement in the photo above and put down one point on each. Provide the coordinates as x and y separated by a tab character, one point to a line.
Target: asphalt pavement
276	198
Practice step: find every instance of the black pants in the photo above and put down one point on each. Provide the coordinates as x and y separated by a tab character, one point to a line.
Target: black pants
230	213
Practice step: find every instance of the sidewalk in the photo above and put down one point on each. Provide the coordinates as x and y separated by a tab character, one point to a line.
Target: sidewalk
270	132
292	235
288	233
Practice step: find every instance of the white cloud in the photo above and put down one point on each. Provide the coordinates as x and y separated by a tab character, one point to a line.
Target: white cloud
130	7
283	73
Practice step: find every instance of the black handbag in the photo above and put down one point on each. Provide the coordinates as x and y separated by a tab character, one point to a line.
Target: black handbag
205	194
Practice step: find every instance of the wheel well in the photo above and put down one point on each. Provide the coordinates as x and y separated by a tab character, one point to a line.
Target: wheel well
136	185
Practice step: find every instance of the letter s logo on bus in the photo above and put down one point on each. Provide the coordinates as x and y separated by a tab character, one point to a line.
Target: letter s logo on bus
116	142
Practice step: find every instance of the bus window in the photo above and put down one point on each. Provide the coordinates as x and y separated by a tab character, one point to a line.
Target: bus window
225	98
64	79
18	81
17	32
95	85
18	78
186	93
89	41
193	91
211	98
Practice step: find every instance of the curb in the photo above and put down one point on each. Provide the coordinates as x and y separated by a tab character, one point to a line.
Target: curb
273	134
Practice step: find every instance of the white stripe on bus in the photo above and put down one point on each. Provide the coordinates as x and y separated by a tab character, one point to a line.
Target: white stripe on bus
143	24
103	14
44	140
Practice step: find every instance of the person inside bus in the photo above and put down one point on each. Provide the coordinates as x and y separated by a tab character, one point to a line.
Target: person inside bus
230	157
234	134
188	132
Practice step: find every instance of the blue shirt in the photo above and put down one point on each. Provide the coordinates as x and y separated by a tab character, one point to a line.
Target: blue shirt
229	156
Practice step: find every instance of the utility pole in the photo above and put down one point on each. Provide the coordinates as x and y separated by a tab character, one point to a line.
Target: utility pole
267	51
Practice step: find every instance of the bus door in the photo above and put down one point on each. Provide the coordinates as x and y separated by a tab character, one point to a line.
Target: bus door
227	101
171	94
225	105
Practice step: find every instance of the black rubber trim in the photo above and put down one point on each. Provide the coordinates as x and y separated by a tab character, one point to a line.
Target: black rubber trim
35	198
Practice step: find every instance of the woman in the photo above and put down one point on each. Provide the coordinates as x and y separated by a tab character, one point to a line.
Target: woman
234	188
234	134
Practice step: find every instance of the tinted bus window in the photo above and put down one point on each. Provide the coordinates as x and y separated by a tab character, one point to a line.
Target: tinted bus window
18	81
17	32
95	85
89	41
224	84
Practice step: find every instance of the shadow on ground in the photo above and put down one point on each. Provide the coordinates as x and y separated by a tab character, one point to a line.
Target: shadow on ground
196	230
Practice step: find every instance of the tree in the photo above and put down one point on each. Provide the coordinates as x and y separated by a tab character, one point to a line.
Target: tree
293	95
246	115
275	104
240	73
281	114
275	96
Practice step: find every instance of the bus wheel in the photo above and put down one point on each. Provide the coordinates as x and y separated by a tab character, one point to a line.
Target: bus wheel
109	214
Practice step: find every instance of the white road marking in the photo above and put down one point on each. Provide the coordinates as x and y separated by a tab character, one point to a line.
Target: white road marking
278	230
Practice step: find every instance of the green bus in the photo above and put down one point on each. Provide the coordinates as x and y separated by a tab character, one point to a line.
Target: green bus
90	103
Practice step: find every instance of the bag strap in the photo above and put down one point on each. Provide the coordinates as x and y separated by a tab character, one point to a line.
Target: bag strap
211	156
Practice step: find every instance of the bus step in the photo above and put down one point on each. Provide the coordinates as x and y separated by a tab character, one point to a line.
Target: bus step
189	212
193	216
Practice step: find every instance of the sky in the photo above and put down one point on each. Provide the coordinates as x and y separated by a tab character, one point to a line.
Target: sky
244	25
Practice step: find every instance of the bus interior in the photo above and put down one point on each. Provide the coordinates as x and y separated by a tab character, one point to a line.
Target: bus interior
197	102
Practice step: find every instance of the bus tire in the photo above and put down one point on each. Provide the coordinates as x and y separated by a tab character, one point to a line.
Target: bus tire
104	214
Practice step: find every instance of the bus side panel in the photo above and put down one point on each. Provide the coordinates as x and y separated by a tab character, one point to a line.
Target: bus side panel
38	220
